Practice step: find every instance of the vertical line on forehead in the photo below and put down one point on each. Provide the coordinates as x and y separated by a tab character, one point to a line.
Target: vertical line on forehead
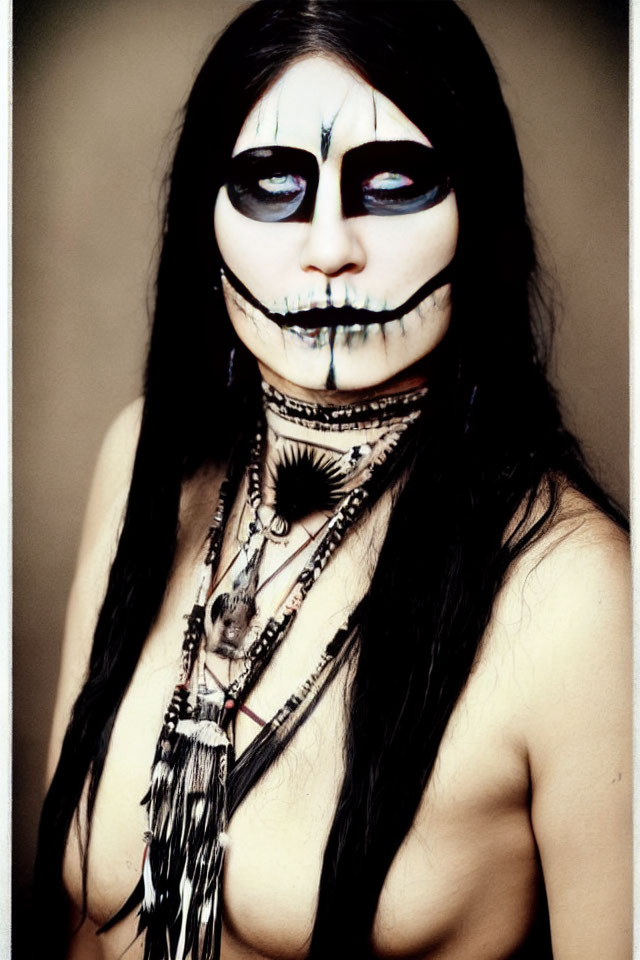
326	132
325	139
375	115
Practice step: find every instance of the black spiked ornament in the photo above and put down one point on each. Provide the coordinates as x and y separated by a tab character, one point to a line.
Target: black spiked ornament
305	481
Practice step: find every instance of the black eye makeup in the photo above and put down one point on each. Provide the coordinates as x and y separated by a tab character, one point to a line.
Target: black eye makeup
381	178
274	184
392	177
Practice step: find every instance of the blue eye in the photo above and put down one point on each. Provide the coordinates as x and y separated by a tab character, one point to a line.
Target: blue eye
282	185
389	180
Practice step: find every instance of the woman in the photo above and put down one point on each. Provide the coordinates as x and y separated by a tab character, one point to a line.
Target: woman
397	725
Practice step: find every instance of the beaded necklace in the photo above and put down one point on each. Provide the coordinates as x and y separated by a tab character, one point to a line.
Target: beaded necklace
197	781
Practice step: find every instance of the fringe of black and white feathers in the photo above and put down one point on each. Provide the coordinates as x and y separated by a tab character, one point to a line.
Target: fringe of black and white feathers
183	861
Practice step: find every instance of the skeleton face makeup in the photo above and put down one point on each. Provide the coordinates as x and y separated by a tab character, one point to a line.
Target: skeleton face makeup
337	227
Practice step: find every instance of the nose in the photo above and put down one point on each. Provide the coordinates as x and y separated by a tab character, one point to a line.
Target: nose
332	246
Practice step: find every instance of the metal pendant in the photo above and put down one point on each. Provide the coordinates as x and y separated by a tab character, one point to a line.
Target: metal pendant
229	615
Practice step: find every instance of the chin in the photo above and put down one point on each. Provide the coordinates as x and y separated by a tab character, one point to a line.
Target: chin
351	375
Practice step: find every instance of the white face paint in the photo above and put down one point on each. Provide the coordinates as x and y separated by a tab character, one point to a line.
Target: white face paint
332	251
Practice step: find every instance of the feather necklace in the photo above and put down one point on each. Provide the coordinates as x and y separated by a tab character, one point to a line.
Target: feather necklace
197	781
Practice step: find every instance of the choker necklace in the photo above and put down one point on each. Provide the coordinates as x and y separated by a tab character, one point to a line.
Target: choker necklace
197	781
366	414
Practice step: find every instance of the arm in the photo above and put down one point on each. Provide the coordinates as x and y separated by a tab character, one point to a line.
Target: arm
101	528
577	723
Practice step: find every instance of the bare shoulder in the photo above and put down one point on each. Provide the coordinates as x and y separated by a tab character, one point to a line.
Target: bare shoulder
112	477
100	531
575	579
566	611
581	529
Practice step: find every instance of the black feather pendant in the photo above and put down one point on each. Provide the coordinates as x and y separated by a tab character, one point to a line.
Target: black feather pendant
305	481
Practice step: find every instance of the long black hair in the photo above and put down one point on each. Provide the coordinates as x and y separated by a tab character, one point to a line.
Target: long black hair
491	442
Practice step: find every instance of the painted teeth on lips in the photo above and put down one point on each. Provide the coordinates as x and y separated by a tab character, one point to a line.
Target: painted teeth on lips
334	304
304	307
331	317
334	299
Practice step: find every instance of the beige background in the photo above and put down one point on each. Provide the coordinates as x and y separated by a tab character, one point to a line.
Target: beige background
97	92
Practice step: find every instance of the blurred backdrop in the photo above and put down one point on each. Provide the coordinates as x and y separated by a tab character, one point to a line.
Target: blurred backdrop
98	89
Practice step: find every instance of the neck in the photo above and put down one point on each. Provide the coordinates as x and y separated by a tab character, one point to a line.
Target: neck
347	432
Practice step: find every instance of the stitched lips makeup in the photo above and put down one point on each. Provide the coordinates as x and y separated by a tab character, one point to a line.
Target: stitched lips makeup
337	226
